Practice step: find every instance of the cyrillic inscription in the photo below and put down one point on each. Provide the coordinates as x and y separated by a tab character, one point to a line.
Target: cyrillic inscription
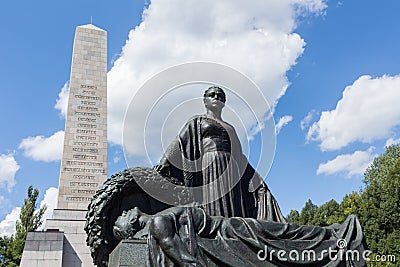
86	119
85	144
88	108
88	92
83	191
84	163
86	131
83	177
87	125
83	184
89	86
85	137
78	199
84	170
88	157
92	114
89	103
85	150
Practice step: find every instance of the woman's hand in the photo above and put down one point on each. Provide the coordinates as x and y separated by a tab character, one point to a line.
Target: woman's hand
163	168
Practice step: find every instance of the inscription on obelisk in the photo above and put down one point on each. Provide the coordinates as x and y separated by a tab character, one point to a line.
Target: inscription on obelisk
84	159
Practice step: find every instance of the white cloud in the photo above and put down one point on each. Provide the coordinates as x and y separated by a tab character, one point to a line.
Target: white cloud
7	226
283	122
304	7
350	164
305	122
116	159
257	39
48	149
369	110
62	101
8	168
50	200
42	148
392	141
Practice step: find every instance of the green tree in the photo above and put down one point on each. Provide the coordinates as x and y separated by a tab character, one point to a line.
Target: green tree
380	214
11	248
351	204
307	213
293	217
377	207
7	253
326	214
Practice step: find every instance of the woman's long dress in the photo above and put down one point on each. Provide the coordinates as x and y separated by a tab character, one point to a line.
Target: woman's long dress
209	156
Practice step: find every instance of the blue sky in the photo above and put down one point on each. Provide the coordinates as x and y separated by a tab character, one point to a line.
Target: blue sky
339	61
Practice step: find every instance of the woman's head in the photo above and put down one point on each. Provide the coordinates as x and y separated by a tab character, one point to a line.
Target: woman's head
214	98
215	92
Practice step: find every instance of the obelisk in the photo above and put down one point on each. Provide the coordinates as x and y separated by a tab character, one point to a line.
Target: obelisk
84	158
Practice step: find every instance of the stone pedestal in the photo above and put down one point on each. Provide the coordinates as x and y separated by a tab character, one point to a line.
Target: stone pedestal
43	249
129	253
71	222
63	243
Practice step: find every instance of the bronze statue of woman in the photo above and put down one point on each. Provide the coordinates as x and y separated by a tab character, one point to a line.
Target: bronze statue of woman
235	220
207	153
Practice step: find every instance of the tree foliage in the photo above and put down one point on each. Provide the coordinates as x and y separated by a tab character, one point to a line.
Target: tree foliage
326	214
377	207
294	216
307	213
11	248
380	215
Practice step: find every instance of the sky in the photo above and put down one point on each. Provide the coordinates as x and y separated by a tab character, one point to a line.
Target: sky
330	71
